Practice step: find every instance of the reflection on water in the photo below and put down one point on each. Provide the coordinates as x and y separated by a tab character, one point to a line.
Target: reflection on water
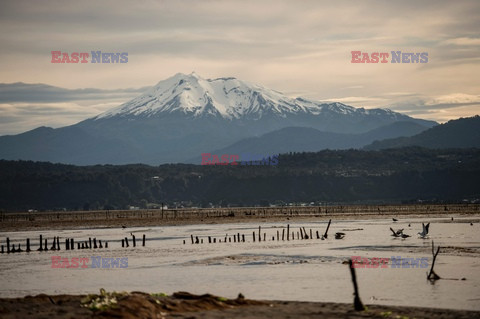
308	270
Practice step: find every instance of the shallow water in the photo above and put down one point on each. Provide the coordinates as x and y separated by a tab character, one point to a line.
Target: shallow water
306	270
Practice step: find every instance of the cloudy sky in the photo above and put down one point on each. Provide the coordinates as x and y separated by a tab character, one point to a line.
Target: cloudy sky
301	48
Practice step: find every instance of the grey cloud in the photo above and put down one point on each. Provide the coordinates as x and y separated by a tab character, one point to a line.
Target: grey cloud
42	93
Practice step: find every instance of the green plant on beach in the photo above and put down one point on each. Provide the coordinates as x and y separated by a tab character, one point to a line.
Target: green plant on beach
103	301
159	294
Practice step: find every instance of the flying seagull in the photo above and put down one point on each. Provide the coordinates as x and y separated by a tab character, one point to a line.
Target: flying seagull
339	235
397	233
424	232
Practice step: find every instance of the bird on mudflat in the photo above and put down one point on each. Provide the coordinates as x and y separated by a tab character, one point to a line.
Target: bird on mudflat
405	236
424	232
339	235
395	220
397	233
123	226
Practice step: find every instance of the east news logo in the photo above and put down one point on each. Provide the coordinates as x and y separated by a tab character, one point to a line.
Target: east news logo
382	57
96	57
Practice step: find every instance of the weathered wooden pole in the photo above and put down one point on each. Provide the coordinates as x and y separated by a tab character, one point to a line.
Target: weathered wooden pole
243	237
41	243
8	245
357	303
95	243
123	242
326	231
106	244
259	233
288	231
278	235
58	242
134	241
126	242
311	236
100	243
283	234
67	244
253	236
28	245
46	245
191	236
72	244
143	240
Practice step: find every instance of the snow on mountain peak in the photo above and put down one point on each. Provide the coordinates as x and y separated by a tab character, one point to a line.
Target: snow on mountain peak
227	97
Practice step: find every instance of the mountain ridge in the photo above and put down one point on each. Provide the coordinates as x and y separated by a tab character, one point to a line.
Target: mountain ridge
184	116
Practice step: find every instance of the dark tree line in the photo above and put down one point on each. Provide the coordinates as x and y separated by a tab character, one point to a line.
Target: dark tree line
351	176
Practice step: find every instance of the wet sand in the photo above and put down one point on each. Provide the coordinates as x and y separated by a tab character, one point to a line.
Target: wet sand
185	305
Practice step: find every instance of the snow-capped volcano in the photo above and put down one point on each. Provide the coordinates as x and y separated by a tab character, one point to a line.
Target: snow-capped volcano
186	115
229	98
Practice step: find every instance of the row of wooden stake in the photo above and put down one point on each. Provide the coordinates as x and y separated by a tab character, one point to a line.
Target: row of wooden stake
301	234
69	244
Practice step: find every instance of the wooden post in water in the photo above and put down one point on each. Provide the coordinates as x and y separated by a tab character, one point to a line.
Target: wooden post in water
123	242
253	236
78	246
318	235
357	303
100	243
90	242
95	243
126	242
301	233
197	241
106	244
209	239
58	242
67	244
72	244
264	236
54	244
259	233
326	231
8	245
288	232
278	235
214	240
238	237
311	236
134	241
243	237
283	234
46	247
41	243
2	250
143	240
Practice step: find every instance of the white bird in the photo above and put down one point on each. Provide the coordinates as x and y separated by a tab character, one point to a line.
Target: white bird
424	232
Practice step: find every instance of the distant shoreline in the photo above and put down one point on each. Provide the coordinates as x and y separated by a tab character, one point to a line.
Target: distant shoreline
186	216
